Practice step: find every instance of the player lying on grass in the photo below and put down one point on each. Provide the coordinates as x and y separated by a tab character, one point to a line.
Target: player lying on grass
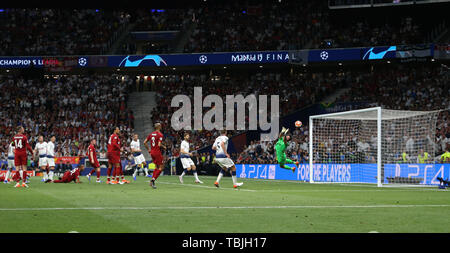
280	149
71	175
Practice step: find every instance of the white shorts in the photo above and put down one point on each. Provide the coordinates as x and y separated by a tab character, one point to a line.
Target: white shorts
51	162
224	162
42	161
186	162
10	163
139	159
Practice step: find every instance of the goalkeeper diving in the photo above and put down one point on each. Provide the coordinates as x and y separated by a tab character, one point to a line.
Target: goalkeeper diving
280	149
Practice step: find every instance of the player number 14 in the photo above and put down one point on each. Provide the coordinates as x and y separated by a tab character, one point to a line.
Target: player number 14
18	143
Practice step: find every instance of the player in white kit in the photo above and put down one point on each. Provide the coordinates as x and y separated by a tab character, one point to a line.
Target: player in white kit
186	161
51	158
10	162
139	158
41	149
223	159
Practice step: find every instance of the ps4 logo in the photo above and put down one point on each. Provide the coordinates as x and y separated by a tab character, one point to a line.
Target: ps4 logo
324	55
82	61
203	59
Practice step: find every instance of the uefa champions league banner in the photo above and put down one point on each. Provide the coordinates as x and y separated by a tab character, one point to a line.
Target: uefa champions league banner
425	174
227	58
170	60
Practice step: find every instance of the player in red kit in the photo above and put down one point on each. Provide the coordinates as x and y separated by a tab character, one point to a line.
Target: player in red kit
92	155
20	142
155	139
113	156
71	175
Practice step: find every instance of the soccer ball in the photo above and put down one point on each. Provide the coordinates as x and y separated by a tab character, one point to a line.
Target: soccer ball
298	123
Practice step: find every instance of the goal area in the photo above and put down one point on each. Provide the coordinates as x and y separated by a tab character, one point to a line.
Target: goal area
373	146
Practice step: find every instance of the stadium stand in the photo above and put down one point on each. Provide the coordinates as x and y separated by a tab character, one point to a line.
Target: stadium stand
78	109
59	31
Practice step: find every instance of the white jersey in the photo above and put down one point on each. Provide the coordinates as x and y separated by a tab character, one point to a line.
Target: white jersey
135	145
11	149
138	156
50	149
42	149
185	148
220	153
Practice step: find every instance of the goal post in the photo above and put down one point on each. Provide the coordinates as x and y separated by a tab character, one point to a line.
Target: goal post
373	145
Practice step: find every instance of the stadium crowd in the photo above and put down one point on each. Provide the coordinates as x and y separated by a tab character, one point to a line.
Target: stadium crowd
231	26
37	31
240	27
73	108
365	32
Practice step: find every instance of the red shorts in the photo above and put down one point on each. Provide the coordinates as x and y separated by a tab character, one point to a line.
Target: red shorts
157	158
113	158
20	159
95	164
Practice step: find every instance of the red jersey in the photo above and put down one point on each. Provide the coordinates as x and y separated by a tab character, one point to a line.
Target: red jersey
114	144
155	138
92	154
21	144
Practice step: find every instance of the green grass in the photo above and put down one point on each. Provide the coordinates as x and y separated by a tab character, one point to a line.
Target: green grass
260	206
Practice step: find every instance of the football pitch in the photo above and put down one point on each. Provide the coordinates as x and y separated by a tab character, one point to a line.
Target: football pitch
260	206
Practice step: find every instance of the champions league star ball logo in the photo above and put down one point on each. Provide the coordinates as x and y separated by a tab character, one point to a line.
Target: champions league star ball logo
324	55
203	59
82	61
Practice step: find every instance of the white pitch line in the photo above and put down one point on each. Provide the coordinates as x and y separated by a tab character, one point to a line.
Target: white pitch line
210	187
212	207
306	190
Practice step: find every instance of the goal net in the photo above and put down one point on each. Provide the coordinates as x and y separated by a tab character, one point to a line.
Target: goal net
374	145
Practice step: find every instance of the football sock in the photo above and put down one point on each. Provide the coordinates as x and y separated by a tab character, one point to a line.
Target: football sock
118	173
184	172
21	175
220	175
233	176
98	175
8	173
108	173
50	175
196	176
146	171
156	173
